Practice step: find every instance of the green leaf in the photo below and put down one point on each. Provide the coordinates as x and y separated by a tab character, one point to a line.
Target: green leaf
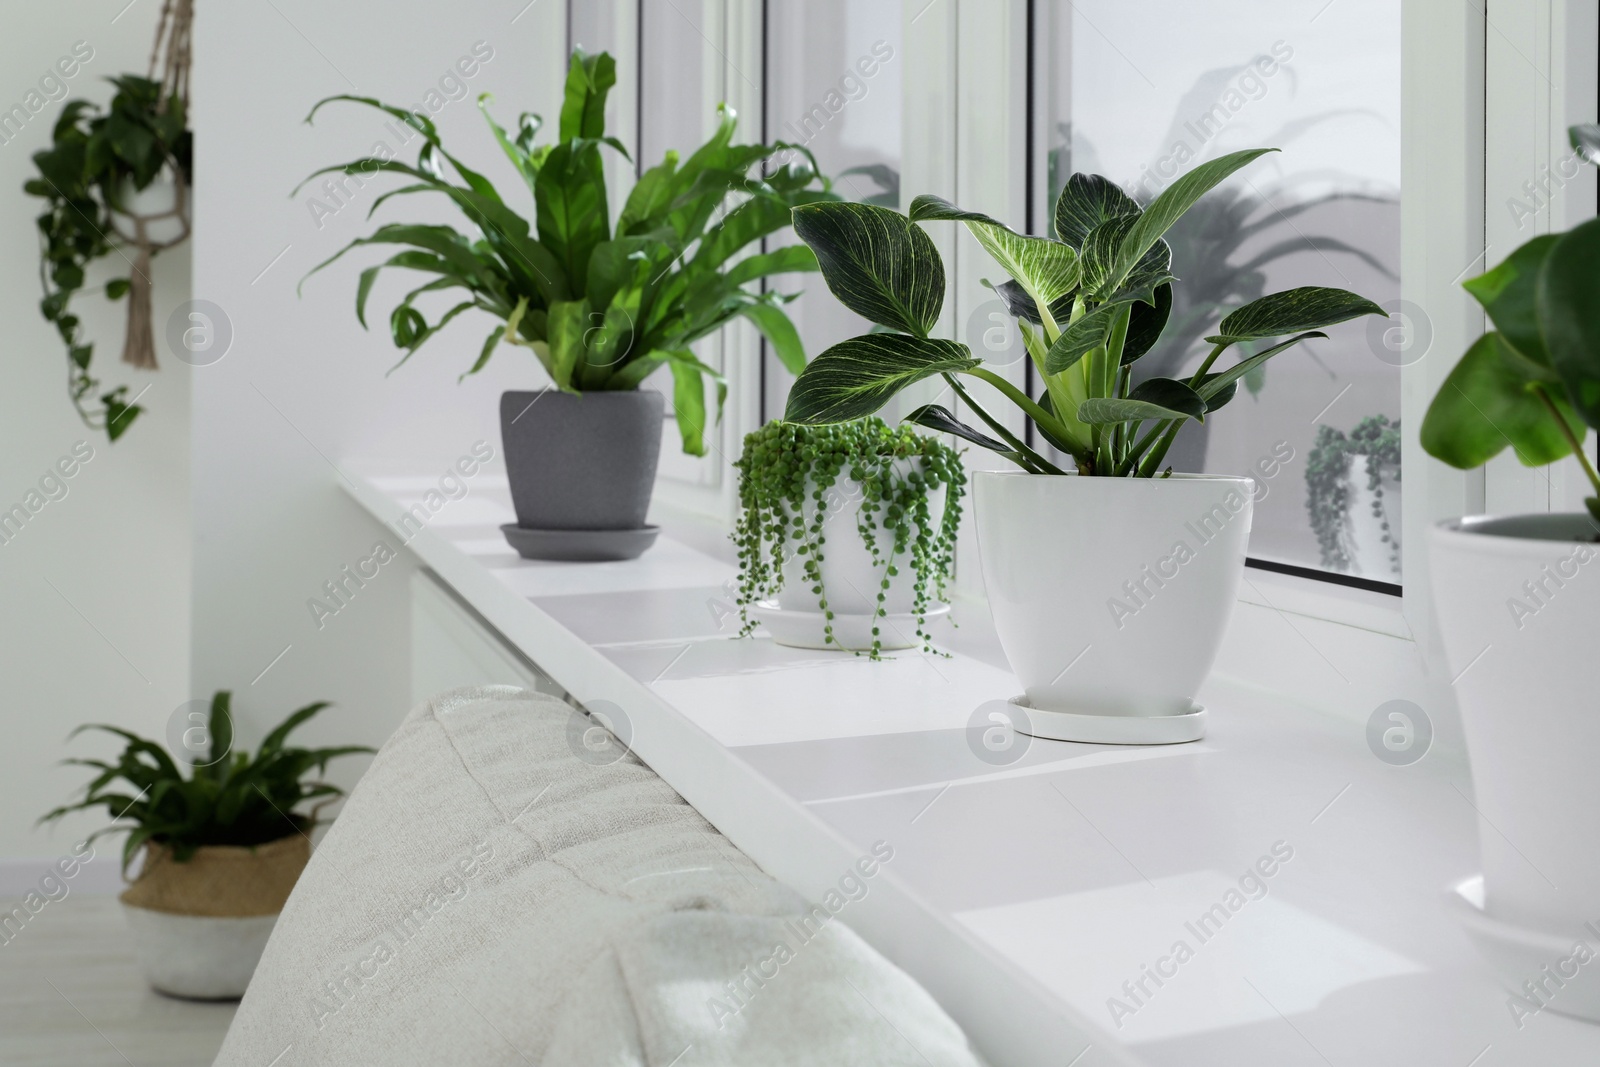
117	288
649	197
489	345
1146	323
1170	206
1101	248
221	731
1080	338
1585	140
877	262
855	378
1485	405
1046	269
615	263
1568	302
1154	398
517	153
1086	201
1291	311
1104	410
273	742
583	107
749	222
570	195
410	260
934	417
688	398
1214	384
790	259
406	325
780	334
569	322
1507	293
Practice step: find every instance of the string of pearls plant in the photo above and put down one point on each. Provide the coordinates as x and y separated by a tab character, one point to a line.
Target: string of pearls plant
784	465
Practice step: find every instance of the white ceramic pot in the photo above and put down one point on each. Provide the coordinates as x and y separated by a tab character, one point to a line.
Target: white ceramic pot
201	957
1111	595
1518	603
1372	521
159	198
850	579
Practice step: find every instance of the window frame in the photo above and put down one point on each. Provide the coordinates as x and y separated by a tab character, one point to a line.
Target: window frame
1471	77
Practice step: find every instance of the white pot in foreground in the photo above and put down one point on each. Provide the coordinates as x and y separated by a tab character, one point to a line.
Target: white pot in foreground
1518	602
1111	595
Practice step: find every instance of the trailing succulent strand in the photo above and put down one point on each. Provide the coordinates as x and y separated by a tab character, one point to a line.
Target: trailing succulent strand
1328	490
792	477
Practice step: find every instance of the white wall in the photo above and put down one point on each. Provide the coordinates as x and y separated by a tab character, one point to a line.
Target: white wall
95	588
304	386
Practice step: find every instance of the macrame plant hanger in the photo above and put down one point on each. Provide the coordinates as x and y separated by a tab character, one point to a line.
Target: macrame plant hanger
169	60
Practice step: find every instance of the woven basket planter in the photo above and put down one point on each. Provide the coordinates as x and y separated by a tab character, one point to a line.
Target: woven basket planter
200	926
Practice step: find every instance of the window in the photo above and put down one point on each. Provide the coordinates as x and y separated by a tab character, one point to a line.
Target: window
1141	93
833	86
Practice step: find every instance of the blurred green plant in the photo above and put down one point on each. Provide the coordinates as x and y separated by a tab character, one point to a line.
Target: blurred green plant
1533	382
230	799
96	158
602	307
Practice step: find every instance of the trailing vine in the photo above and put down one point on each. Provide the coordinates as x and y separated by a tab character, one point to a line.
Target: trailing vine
791	477
97	157
1328	490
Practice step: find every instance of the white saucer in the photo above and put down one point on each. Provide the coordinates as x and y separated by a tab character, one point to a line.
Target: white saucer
804	629
1518	954
1112	729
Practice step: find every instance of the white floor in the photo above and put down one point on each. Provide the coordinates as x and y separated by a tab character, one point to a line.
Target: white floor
71	996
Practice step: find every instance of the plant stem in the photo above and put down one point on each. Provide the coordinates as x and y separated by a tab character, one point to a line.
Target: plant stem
1139	447
1572	438
1199	375
1034	463
1159	452
1023	401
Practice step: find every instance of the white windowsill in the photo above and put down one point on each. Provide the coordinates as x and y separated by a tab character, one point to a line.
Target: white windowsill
1024	895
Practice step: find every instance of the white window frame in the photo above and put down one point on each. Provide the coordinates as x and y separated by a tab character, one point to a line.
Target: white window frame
1472	77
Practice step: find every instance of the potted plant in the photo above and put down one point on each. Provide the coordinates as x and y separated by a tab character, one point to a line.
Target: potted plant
1517	597
115	179
602	307
221	847
846	533
1110	587
1353	497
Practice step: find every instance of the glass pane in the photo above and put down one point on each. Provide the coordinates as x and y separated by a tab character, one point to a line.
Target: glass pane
681	76
674	111
1141	93
833	86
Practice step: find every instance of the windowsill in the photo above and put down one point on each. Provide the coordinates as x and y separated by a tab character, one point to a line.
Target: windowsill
1024	895
1361	608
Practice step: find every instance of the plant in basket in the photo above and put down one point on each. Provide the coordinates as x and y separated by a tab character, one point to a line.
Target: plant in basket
222	846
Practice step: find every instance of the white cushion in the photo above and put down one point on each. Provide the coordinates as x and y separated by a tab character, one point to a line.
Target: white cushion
486	897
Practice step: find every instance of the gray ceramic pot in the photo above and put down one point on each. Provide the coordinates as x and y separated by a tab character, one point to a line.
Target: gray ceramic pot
581	462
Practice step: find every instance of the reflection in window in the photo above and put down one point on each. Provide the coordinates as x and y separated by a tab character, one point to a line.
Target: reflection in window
1141	93
833	87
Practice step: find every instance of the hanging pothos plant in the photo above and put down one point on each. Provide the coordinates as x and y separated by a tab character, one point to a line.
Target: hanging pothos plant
792	476
98	159
1328	484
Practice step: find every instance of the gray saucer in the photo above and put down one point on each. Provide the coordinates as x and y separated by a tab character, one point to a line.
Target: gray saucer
585	546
